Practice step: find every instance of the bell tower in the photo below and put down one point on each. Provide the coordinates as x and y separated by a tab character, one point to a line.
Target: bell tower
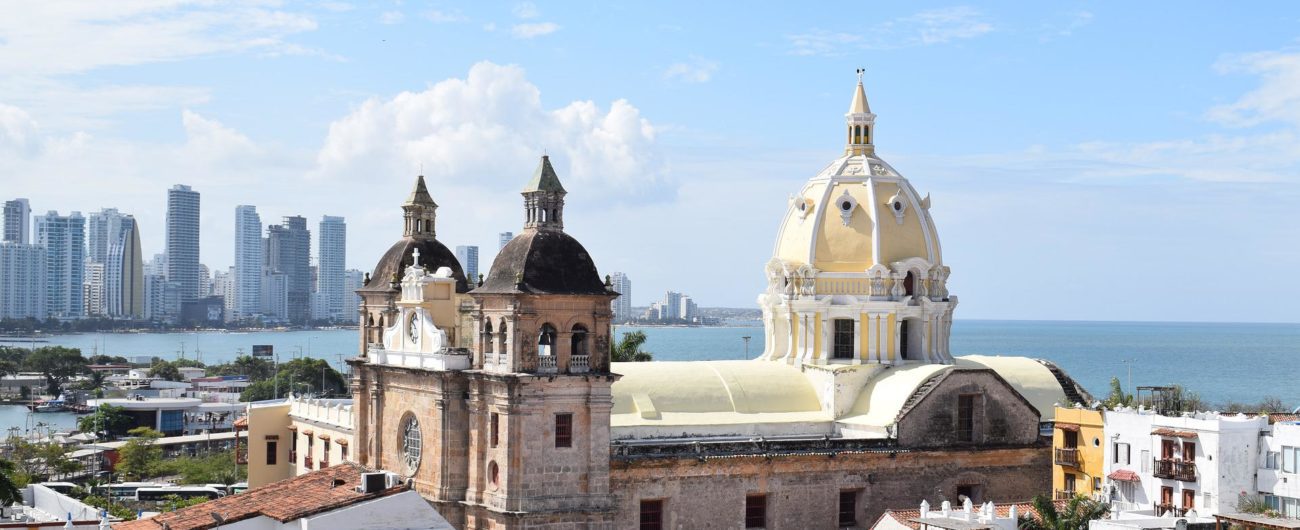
540	397
860	123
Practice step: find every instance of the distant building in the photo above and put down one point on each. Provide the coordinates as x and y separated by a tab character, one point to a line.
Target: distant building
622	306
64	239
503	238
22	281
248	263
331	264
275	295
93	289
314	434
288	252
162	299
353	280
124	272
468	258
223	285
206	311
17	221
183	267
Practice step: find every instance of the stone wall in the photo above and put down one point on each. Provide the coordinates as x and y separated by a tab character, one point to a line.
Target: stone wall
803	490
1002	416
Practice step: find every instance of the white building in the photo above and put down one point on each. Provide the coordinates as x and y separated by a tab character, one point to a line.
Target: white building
353	280
331	264
1278	476
223	285
64	239
17	221
248	263
94	289
183	242
622	305
22	280
1200	461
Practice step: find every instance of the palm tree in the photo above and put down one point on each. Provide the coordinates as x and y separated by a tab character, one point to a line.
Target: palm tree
9	492
1073	516
629	349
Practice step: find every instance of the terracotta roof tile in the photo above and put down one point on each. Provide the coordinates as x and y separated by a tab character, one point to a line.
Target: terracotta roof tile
286	500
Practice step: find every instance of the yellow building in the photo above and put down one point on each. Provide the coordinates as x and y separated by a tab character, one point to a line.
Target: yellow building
295	436
1078	453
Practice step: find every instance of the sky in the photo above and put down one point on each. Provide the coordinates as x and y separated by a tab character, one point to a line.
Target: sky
1086	160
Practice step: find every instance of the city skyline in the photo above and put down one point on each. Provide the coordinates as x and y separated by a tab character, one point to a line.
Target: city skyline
1192	148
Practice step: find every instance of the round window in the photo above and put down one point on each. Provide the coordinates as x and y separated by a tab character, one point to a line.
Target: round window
494	474
898	206
846	206
411	446
1096	442
803	206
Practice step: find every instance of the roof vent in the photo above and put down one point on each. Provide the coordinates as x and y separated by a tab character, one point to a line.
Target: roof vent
374	482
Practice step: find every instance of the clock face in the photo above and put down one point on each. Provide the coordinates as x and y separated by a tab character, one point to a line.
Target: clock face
415	329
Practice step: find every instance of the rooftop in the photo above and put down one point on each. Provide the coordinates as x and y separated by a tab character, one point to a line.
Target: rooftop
287	500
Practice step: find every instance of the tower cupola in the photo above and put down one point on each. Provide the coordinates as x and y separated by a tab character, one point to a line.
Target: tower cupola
420	212
544	198
860	122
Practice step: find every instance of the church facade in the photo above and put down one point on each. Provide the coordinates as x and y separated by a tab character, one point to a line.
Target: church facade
496	396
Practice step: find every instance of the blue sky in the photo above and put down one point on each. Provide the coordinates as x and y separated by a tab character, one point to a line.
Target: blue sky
1099	161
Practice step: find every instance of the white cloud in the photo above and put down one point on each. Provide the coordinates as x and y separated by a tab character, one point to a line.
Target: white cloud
528	31
924	28
695	70
1064	25
526	10
1276	99
487	130
444	17
18	132
391	17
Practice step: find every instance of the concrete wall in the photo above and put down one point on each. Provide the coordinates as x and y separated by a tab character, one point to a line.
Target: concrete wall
803	490
268	420
1002	416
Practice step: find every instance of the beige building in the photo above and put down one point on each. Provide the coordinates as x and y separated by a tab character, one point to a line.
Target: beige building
499	402
295	436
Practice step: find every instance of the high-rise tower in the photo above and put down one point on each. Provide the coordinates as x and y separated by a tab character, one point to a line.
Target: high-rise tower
183	242
288	252
124	272
64	239
330	267
248	263
17	221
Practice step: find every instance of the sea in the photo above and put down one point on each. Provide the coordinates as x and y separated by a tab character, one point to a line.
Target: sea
1221	362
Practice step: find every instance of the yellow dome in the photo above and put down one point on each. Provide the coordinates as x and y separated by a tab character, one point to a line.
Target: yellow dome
856	213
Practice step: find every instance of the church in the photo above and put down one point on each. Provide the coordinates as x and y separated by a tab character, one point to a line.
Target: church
496	397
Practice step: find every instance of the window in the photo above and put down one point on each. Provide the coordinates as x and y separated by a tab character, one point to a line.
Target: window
578	340
1167	448
564	430
411	442
843	339
1096	484
343	453
270	452
1146	460
1122	453
501	338
1288	459
1189	451
652	515
1189	499
756	511
1071	439
546	340
308	457
848	508
967	491
487	336
495	434
293	446
1069	483
966	417
1270	460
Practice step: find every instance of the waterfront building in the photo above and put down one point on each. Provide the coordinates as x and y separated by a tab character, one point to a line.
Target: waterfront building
64	239
102	229
288	252
17	221
1161	463
223	286
353	280
623	304
248	263
275	295
22	281
330	267
124	272
1078	453
467	255
183	267
93	289
311	434
1278	468
503	238
162	299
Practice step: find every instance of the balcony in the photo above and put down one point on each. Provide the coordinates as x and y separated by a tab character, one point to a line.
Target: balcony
579	364
1162	509
546	364
1174	469
1064	495
1067	457
306	462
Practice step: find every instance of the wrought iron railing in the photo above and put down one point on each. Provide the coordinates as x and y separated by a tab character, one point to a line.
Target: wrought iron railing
1174	469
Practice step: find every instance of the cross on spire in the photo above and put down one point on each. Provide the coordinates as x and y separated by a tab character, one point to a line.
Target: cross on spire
415	254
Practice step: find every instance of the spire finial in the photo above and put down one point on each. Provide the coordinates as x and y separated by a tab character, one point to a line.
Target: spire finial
860	72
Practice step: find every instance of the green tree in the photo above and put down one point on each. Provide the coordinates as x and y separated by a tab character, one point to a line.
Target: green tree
58	365
107	359
629	349
1117	397
256	368
34	461
11	360
166	370
9	493
118	510
1073	516
139	457
303	376
107	420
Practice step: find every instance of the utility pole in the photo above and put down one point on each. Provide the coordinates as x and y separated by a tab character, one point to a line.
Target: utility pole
746	338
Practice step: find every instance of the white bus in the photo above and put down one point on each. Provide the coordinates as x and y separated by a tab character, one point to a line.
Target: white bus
124	490
184	492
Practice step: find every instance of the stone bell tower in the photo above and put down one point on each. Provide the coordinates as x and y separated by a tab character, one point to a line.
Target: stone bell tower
539	396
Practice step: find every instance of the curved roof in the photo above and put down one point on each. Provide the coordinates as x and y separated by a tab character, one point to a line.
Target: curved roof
669	398
543	261
433	255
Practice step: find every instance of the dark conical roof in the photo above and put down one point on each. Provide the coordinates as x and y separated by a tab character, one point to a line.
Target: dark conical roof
420	195
545	179
433	255
543	262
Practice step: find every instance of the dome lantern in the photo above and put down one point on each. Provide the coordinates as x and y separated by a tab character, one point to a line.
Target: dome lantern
544	198
860	123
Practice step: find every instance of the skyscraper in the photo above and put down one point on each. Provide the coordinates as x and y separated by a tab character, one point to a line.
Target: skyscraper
503	238
183	241
102	229
92	293
467	255
331	262
64	239
622	305
354	279
124	272
248	263
22	280
17	221
288	252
